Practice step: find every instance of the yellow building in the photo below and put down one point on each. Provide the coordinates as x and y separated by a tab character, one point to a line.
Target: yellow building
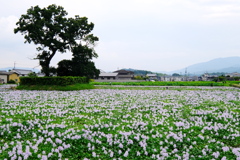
7	76
15	77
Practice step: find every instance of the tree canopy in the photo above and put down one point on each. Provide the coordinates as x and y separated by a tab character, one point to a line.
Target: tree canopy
52	31
80	65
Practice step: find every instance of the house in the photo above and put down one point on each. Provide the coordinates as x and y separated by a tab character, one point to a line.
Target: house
152	76
193	78
177	78
124	74
166	78
108	76
207	77
235	74
7	76
22	72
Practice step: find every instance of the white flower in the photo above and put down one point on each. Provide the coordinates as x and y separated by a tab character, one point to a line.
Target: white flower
111	154
225	149
120	145
126	154
94	154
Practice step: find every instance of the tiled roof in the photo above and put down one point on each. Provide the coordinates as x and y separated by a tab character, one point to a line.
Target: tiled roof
22	71
108	74
7	73
151	75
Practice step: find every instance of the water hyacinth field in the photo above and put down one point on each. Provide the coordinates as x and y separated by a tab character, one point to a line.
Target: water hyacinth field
191	123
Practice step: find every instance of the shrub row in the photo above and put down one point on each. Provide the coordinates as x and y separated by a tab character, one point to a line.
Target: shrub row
61	81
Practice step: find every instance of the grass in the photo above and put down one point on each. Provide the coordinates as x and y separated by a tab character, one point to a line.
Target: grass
236	85
56	87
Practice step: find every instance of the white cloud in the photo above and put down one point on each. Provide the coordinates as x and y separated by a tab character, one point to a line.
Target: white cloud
7	24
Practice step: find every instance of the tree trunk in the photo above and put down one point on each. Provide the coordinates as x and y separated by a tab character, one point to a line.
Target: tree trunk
46	63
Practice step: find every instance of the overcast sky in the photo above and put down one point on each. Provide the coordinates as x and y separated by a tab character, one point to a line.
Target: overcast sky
155	35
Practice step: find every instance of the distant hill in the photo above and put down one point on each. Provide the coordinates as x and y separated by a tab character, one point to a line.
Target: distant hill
141	72
138	72
227	65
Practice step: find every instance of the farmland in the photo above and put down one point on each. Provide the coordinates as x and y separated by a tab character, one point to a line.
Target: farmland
175	123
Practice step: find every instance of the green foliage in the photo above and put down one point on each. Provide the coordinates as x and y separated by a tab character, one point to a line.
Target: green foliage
80	65
61	81
11	81
73	87
236	78
221	78
176	74
138	78
64	68
53	31
32	74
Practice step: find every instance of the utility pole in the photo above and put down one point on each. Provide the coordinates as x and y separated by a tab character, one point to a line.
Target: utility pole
186	74
14	65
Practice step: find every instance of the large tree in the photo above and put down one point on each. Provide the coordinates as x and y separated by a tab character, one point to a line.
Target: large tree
52	32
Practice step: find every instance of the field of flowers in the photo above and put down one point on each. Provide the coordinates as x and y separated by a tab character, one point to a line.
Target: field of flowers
202	123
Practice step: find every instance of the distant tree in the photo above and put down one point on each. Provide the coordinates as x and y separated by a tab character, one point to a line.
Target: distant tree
175	74
138	78
236	78
221	78
53	32
32	74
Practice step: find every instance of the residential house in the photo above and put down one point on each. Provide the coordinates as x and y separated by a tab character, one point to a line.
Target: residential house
235	74
22	72
193	78
166	78
152	76
207	77
108	76
7	76
179	78
124	74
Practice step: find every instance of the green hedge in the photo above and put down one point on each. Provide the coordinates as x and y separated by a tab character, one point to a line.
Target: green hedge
61	81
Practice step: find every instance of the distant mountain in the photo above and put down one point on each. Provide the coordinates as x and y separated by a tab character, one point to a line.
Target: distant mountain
227	65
